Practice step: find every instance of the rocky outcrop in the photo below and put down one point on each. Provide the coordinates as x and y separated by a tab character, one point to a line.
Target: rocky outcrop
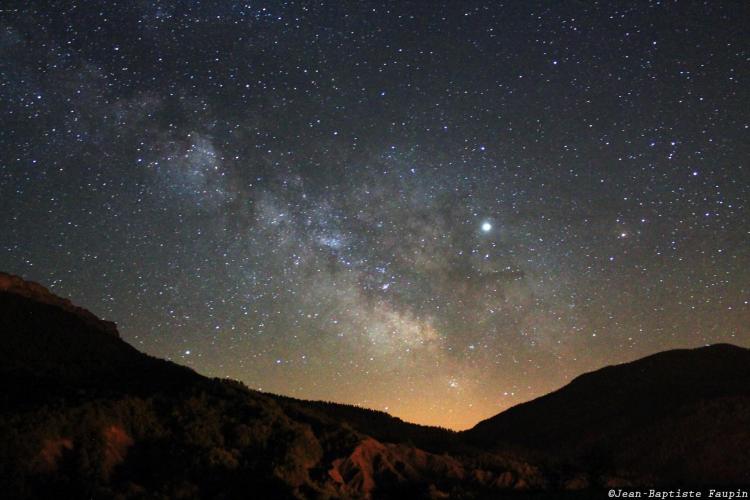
49	454
116	444
377	469
375	465
10	283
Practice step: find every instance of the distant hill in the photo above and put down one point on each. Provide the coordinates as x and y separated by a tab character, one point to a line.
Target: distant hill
83	414
681	415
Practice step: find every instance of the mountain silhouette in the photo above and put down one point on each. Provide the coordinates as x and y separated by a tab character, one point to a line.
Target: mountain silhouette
675	415
84	414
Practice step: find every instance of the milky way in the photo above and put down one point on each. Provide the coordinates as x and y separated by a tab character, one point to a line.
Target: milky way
434	209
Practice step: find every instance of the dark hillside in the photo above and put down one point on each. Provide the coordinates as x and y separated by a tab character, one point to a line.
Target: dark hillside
677	414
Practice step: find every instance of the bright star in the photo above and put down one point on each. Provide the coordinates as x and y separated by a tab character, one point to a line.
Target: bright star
486	227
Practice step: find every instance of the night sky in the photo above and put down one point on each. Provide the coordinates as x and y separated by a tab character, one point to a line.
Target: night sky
436	209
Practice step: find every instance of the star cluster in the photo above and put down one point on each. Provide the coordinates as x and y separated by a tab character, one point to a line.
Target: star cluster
437	209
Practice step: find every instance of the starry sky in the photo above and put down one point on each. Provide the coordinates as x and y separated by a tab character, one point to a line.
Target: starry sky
436	209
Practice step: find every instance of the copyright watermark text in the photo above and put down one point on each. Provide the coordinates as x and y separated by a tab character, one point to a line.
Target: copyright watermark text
679	493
